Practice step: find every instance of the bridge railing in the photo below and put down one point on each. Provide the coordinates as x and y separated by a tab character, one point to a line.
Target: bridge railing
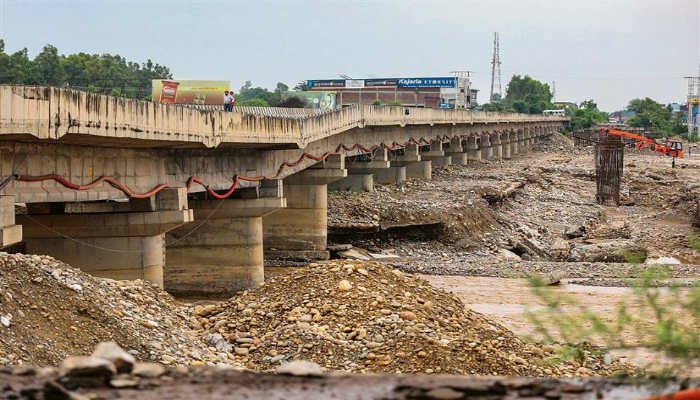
54	113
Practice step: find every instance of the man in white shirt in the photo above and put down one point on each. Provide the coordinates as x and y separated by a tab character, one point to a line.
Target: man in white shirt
228	101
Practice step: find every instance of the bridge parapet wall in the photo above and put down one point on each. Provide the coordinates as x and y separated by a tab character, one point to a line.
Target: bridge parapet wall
94	119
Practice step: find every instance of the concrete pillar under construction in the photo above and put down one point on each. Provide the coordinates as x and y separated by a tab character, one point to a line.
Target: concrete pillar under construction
102	240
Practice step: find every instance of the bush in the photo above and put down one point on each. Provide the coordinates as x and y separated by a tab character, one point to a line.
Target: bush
376	103
393	103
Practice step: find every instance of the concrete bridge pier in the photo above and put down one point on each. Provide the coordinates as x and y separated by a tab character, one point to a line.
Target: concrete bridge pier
416	166
10	233
473	150
109	239
361	173
222	250
300	231
514	143
395	173
486	149
497	146
458	152
505	144
436	154
521	142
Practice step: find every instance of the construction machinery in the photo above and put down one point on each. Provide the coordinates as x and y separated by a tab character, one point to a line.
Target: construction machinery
672	148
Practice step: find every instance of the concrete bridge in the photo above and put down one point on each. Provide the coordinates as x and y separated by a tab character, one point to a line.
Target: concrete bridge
192	199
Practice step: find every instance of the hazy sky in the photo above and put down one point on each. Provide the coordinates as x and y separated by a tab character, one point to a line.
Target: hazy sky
610	51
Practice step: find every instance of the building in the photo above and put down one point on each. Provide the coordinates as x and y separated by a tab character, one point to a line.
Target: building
413	92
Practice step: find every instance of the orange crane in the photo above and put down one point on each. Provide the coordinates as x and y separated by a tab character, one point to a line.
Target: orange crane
672	148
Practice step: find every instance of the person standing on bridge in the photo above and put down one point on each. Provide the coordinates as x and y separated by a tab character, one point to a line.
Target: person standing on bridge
228	101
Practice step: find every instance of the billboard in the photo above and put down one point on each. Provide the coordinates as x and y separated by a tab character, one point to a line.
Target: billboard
175	91
441	82
324	100
326	84
436	82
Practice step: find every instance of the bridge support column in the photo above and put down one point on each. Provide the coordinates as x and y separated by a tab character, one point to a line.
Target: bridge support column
486	150
457	151
394	174
436	155
104	241
300	231
473	150
9	232
514	143
221	252
521	142
505	144
361	173
416	167
497	146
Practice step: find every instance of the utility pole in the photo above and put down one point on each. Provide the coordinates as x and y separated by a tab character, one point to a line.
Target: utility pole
554	91
496	93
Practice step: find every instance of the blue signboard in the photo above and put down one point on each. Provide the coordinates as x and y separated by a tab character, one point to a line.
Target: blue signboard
438	82
441	82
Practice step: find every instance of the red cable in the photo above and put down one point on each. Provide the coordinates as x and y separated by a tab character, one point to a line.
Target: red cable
126	190
690	394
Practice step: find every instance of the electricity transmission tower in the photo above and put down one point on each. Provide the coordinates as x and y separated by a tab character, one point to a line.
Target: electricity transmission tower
496	93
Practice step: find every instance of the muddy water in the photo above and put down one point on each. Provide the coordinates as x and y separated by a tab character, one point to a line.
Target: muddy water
505	301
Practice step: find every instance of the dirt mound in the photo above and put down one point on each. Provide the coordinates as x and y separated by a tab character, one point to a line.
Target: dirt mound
49	310
366	317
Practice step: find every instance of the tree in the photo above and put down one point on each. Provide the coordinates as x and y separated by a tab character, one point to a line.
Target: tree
289	101
106	73
302	86
652	115
281	87
49	70
528	95
248	92
586	116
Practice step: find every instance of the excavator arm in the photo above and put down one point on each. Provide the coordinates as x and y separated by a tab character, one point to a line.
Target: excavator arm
643	142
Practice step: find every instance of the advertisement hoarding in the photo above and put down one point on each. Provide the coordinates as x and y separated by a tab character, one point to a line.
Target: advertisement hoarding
176	91
440	82
436	82
355	83
326	84
324	100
